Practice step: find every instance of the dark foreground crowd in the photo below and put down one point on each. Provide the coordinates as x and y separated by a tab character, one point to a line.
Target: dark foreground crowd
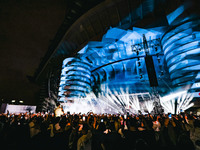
99	132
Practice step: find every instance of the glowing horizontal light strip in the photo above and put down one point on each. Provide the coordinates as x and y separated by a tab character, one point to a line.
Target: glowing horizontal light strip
173	43
72	81
181	28
75	68
76	72
196	67
82	71
196	85
72	59
182	73
72	87
182	49
73	94
78	83
77	87
183	64
78	78
180	42
183	80
62	82
182	56
174	39
83	84
68	60
196	94
78	75
62	78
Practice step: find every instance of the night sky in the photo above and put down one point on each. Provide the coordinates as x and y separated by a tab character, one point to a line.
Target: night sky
26	29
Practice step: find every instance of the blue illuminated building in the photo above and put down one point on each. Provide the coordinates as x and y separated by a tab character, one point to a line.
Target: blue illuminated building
107	49
115	62
118	61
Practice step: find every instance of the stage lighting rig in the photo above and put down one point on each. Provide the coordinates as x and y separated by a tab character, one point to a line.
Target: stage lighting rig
137	48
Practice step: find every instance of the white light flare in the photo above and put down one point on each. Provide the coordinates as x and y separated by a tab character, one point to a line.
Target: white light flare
149	105
183	102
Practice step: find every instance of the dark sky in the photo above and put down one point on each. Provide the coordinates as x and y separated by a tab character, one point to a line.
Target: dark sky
26	30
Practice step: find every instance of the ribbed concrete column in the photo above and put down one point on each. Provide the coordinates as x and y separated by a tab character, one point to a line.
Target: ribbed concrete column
181	45
75	79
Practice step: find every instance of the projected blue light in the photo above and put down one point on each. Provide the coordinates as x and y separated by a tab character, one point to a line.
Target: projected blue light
182	52
75	79
172	16
118	61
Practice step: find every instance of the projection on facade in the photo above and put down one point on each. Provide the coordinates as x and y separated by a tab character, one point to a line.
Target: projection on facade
130	70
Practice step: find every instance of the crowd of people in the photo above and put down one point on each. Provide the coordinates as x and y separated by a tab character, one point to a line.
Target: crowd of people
99	132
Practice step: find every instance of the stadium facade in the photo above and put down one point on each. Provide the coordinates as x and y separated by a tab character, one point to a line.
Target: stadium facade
147	49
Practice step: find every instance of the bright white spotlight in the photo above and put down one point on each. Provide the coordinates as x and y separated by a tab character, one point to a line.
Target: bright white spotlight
183	102
106	102
149	105
13	101
172	96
